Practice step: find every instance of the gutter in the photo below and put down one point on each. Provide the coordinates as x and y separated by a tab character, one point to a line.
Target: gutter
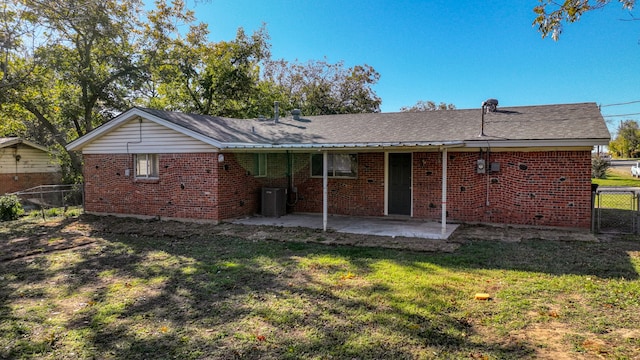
537	142
343	146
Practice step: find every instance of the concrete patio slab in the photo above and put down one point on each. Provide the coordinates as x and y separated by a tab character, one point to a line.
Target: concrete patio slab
379	226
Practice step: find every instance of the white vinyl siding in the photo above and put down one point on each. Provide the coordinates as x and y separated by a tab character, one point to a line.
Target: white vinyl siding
31	161
137	137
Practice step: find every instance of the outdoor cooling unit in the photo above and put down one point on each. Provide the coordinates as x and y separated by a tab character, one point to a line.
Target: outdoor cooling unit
274	202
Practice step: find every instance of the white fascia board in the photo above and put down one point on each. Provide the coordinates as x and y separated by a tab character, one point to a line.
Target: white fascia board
132	114
535	143
341	146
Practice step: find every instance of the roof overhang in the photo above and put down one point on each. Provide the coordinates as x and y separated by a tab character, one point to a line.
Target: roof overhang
489	142
401	146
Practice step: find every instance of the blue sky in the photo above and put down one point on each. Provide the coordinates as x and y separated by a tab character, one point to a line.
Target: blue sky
459	52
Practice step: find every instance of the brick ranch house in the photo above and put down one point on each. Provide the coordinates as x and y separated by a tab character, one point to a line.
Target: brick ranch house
24	164
526	165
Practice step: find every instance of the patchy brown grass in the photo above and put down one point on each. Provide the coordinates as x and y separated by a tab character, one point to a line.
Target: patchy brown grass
94	287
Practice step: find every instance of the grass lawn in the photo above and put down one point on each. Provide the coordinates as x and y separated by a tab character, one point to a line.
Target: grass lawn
617	177
81	289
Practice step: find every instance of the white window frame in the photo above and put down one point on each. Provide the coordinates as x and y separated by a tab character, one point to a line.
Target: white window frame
337	164
260	168
147	166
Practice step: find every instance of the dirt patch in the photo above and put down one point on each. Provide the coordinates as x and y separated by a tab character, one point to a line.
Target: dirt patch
48	237
509	233
58	235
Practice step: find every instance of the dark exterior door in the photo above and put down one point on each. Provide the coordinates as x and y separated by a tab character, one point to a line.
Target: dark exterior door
400	184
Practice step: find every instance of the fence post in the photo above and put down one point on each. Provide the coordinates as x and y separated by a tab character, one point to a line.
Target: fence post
637	209
593	212
42	206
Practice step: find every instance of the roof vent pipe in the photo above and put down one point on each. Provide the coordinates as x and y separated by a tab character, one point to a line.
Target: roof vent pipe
487	105
276	109
296	114
490	105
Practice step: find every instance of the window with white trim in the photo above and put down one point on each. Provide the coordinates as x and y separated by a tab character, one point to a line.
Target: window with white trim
339	165
260	168
146	166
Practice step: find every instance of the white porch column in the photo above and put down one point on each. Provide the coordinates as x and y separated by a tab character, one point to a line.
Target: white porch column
444	191
325	191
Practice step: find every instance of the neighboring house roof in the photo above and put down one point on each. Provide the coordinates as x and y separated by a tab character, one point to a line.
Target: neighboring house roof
546	125
11	141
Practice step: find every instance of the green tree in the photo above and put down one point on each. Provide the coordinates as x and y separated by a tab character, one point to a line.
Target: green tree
428	105
322	88
627	141
210	78
67	66
80	61
71	65
551	14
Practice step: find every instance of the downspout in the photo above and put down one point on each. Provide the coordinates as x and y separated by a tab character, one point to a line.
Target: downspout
444	191
325	192
293	191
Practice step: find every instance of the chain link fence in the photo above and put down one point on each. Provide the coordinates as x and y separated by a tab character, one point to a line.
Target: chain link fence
45	197
616	211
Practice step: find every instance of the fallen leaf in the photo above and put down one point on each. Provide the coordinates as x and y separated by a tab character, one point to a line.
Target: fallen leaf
347	276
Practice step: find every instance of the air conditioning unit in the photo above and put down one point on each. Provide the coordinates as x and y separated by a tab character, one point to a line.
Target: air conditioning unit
274	202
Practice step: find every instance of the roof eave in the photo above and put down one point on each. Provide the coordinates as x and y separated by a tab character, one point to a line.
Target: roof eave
536	142
344	146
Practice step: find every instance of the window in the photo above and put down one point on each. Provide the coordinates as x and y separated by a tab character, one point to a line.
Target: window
260	165
339	165
146	166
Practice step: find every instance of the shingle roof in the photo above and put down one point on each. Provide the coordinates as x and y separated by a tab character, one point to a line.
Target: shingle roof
582	121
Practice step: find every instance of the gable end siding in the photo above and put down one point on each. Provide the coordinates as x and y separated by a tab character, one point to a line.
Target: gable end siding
145	137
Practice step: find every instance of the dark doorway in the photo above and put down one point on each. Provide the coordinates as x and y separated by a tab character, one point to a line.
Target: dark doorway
399	184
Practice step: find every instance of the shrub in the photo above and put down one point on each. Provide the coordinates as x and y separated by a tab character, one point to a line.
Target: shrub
54	212
599	167
10	207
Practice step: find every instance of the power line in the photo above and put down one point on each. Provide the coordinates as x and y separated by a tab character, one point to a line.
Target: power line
624	103
620	115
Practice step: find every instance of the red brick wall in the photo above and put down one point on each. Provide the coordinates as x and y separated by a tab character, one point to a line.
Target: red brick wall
9	184
189	186
363	196
532	188
186	188
240	191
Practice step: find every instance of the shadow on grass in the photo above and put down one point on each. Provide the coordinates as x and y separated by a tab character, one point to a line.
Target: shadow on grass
225	297
606	259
